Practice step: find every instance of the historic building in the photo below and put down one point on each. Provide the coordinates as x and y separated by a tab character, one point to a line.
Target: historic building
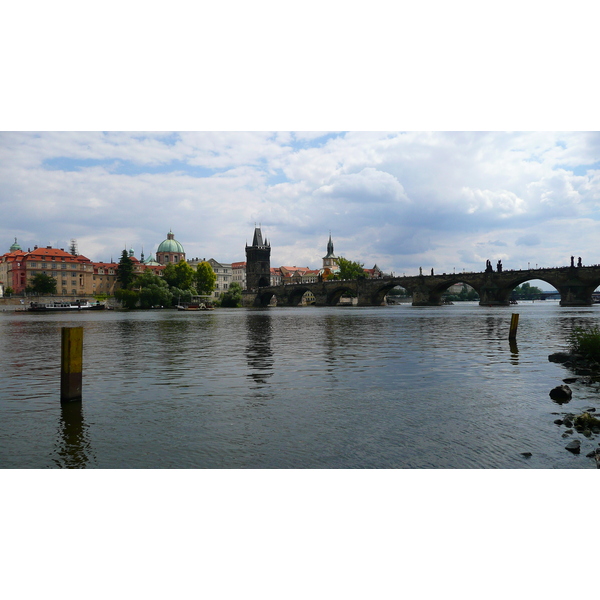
73	274
238	273
258	262
170	251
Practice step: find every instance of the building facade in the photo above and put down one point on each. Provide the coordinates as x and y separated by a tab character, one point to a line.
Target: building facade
238	273
73	274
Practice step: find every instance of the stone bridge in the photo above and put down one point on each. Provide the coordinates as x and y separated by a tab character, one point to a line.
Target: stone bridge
575	285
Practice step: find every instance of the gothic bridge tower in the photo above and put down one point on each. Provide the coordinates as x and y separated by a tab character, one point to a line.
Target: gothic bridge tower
258	262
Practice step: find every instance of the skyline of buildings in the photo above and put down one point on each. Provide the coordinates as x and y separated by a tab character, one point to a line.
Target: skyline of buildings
76	275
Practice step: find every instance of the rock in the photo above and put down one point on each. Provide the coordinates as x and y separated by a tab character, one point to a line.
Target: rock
570	380
526	454
561	393
587	433
574	446
559	421
590	410
559	357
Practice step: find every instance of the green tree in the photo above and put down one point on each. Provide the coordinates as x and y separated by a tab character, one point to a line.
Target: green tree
155	295
180	296
180	275
232	298
8	291
153	290
125	274
128	298
527	291
350	269
42	284
206	278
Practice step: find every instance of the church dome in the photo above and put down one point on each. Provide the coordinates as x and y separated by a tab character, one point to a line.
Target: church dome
171	245
15	247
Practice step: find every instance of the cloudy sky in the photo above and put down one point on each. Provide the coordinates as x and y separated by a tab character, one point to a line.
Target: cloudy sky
435	136
399	199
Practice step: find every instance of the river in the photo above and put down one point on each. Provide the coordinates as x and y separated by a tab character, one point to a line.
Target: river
345	387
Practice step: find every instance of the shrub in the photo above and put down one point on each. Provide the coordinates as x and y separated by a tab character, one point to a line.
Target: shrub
586	342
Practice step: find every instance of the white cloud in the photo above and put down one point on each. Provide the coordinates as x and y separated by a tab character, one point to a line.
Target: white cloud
401	200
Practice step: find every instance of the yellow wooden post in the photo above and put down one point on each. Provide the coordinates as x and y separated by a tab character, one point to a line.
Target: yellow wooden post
71	367
514	323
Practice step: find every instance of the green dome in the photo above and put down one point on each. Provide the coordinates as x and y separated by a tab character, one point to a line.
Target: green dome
171	245
15	246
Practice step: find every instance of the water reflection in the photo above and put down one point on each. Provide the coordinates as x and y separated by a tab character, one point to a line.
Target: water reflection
514	352
73	450
259	347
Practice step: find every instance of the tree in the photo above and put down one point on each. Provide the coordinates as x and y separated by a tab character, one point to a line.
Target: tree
232	298
206	278
153	290
128	298
155	295
180	275
8	291
350	269
180	296
527	291
42	284
125	274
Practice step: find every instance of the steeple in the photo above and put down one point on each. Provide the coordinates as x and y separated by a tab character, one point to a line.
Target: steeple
330	259
330	246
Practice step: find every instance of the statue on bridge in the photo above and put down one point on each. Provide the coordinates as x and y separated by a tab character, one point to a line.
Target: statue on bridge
488	267
499	266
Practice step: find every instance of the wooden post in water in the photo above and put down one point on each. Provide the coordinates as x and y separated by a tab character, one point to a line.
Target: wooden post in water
71	364
514	323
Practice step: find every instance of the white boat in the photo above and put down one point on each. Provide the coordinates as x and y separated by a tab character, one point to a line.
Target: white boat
64	306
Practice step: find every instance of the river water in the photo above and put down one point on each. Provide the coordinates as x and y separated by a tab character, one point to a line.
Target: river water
341	387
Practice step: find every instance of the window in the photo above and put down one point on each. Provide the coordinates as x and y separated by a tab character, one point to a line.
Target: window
63	266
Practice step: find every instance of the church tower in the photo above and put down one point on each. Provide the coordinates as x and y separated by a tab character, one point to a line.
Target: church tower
258	262
330	260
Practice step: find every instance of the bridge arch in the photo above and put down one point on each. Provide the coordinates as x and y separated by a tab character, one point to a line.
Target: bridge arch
378	294
295	294
264	297
334	295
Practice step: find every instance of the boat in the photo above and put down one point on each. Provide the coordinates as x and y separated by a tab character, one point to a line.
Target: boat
64	306
200	306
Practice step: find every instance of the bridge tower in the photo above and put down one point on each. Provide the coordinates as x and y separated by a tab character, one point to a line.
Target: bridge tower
258	262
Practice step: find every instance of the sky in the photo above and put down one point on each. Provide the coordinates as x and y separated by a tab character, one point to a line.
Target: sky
401	200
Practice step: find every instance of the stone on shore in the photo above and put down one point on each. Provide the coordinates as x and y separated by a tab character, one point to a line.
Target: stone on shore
574	446
561	393
560	357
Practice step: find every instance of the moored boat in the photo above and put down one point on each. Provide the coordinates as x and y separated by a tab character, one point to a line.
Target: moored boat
64	306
